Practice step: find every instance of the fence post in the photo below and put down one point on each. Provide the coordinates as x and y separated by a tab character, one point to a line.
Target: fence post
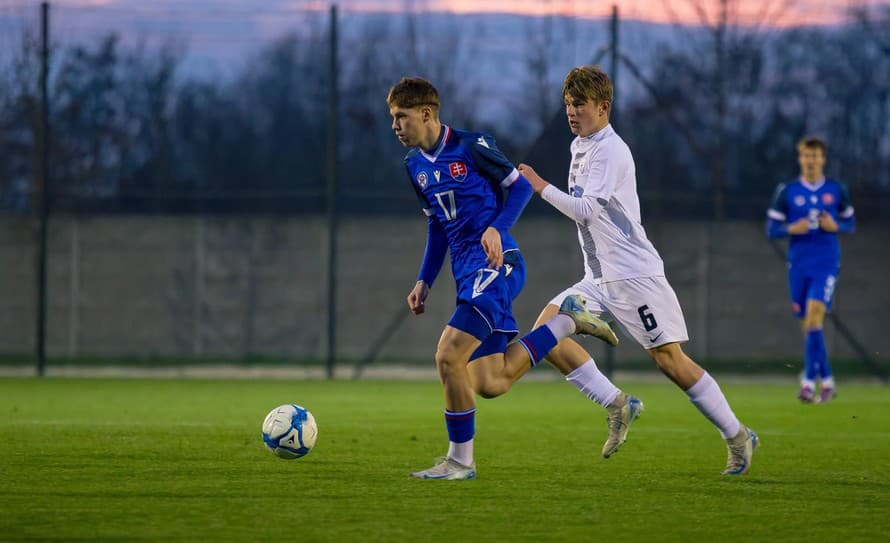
43	210
331	174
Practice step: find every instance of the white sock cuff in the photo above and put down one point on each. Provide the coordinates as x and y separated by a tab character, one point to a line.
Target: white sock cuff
701	387
593	383
461	452
561	326
578	372
711	402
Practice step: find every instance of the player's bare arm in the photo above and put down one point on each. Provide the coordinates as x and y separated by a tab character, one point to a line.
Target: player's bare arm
537	182
417	298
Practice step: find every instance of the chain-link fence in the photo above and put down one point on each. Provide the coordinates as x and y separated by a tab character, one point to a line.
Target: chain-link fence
187	166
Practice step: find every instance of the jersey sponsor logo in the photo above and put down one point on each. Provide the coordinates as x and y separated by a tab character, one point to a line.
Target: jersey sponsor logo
828	198
481	141
422	179
438	175
577	191
458	170
800	201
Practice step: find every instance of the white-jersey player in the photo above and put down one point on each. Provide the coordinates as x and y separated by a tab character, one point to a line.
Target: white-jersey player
624	275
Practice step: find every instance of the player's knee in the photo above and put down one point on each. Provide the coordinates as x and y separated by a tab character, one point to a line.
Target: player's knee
445	358
815	317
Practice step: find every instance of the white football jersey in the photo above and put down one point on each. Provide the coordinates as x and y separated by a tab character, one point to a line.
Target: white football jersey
603	201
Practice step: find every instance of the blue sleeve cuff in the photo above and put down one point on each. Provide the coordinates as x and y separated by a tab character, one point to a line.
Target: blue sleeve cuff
434	254
776	229
846	226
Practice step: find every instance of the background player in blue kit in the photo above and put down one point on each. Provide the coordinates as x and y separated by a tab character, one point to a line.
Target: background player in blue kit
459	179
812	210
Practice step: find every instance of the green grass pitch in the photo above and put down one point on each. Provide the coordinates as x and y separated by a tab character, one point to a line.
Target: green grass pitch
182	460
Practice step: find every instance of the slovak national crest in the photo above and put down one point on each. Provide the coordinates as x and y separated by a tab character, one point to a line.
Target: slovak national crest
458	170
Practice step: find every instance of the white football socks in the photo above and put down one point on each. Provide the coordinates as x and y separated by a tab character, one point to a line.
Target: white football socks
709	399
592	383
461	452
561	326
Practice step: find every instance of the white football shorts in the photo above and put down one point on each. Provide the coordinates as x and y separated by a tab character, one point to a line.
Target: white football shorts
644	308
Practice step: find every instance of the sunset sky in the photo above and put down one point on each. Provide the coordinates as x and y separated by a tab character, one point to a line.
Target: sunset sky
222	30
687	11
798	11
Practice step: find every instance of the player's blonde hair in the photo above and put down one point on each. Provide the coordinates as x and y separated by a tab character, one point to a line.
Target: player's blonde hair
812	142
411	92
587	84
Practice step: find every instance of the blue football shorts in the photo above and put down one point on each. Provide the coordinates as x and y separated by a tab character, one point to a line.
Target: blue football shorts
810	284
485	304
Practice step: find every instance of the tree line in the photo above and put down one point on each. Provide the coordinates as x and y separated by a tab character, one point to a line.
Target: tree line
713	124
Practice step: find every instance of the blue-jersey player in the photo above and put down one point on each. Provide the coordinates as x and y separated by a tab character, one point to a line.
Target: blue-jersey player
459	178
812	210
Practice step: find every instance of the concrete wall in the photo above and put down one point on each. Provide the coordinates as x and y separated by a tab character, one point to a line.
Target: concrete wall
227	287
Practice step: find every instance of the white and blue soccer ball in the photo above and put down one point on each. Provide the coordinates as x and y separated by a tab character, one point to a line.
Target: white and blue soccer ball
289	431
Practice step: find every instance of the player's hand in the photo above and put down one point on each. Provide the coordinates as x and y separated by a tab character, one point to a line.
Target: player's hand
827	222
537	182
800	226
417	298
491	242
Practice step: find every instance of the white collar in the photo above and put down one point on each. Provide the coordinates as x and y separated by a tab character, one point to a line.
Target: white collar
813	187
599	134
444	136
588	141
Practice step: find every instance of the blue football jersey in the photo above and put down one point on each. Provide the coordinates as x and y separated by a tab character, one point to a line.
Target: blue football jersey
460	184
796	200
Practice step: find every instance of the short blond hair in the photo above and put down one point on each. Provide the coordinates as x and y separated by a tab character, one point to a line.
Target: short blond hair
587	84
411	92
812	142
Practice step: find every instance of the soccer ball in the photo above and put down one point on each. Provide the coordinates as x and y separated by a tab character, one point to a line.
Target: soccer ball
289	431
